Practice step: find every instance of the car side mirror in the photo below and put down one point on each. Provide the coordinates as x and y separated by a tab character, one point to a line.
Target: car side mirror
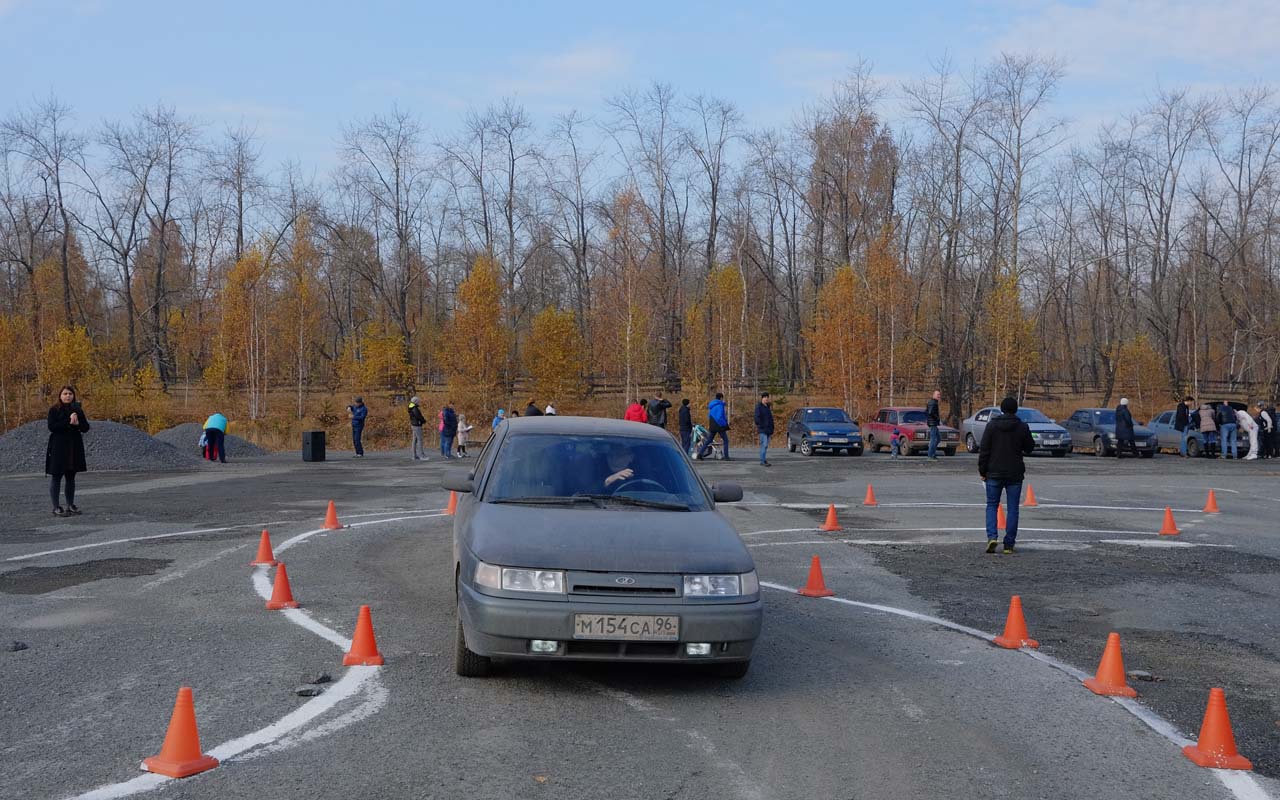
458	480
726	492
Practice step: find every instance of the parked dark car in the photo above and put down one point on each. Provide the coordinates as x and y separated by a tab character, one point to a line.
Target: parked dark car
813	429
592	539
1095	429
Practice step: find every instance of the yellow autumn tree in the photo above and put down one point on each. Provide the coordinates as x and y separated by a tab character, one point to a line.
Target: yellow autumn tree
475	358
299	318
838	341
553	356
68	358
1141	376
1010	336
241	357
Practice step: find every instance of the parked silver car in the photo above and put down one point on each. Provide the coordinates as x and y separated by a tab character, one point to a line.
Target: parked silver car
1049	436
594	539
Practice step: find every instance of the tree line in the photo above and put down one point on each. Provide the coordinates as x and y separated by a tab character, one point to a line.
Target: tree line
968	242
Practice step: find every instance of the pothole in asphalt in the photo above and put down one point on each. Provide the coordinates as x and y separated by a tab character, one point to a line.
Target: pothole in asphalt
41	580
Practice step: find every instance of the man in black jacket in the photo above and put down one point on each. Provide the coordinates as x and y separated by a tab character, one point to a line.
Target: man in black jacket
448	429
416	421
1005	442
933	418
686	425
1182	422
658	410
764	427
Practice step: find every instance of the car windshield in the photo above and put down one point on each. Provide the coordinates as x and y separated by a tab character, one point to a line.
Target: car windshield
825	415
550	469
914	416
1104	418
1031	415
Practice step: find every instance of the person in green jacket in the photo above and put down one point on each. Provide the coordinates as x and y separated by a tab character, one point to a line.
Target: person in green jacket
215	437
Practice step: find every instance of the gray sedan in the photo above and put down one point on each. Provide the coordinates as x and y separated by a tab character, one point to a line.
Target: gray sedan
1050	437
595	540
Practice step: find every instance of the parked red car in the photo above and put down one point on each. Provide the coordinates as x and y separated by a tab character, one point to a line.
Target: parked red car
912	424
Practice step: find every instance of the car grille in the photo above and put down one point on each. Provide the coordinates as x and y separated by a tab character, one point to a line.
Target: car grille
623	584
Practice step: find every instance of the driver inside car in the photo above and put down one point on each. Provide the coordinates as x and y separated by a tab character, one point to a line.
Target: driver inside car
619	460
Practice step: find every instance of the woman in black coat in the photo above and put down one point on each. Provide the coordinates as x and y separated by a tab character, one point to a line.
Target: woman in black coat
65	454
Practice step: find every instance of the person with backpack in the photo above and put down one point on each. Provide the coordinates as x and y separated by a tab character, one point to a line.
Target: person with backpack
1227	426
1006	443
64	454
717	424
416	422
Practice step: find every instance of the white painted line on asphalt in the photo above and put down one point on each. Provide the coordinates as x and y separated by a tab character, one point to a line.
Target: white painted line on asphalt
1040	505
198	531
1161	543
193	566
344	688
797	506
782	530
1240	784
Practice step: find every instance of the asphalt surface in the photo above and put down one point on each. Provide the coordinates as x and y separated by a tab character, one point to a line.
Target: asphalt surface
842	701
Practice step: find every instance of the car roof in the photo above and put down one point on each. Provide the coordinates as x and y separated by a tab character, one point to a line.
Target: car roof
584	426
902	408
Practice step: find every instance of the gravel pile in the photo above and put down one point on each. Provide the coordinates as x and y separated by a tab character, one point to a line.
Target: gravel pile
107	446
186	437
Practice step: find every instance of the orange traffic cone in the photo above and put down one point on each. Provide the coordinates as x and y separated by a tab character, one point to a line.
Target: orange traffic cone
1109	680
331	518
1030	502
1169	528
1015	628
265	558
364	648
870	499
816	587
1217	745
453	504
832	524
180	754
1002	523
1211	505
281	594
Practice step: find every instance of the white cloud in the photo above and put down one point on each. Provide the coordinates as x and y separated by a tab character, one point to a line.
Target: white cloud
584	68
1118	37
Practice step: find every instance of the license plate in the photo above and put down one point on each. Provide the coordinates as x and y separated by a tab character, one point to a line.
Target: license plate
838	441
626	627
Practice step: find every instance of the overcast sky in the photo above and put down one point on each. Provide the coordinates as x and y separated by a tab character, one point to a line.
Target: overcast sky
298	71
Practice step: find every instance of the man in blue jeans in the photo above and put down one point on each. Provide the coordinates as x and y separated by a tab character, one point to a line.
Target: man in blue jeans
358	412
1227	426
764	427
1005	444
933	417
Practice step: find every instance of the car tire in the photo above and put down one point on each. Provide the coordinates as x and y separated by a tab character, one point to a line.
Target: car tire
466	663
904	447
806	449
970	444
1059	453
1099	447
1194	449
731	670
950	451
857	451
870	444
791	446
1148	455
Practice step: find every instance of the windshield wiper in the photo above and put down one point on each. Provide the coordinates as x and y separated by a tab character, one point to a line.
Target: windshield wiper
549	500
635	501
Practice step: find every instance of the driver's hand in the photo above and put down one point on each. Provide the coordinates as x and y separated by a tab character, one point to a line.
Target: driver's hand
620	475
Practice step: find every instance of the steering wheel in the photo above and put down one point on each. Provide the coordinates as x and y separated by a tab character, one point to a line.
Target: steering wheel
636	483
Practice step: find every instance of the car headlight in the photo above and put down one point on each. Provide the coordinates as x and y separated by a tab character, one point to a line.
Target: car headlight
819	435
545	581
721	585
918	435
1111	436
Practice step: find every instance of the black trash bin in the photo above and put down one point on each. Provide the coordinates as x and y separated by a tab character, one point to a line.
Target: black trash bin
313	445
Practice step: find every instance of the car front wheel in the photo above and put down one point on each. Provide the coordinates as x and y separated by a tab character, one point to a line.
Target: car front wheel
1193	448
791	446
904	447
805	447
871	444
1099	447
466	663
970	444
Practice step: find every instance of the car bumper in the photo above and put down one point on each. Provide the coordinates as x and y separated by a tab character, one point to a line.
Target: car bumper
824	444
502	627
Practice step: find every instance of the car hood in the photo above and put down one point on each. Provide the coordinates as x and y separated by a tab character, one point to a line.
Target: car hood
1046	427
839	428
613	539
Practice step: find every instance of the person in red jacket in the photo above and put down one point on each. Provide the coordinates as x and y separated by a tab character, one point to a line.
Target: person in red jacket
636	412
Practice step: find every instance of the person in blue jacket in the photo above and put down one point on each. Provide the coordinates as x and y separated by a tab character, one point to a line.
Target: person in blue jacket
448	429
499	419
215	437
358	411
718	423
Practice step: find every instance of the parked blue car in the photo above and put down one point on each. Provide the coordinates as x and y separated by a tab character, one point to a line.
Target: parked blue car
815	429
